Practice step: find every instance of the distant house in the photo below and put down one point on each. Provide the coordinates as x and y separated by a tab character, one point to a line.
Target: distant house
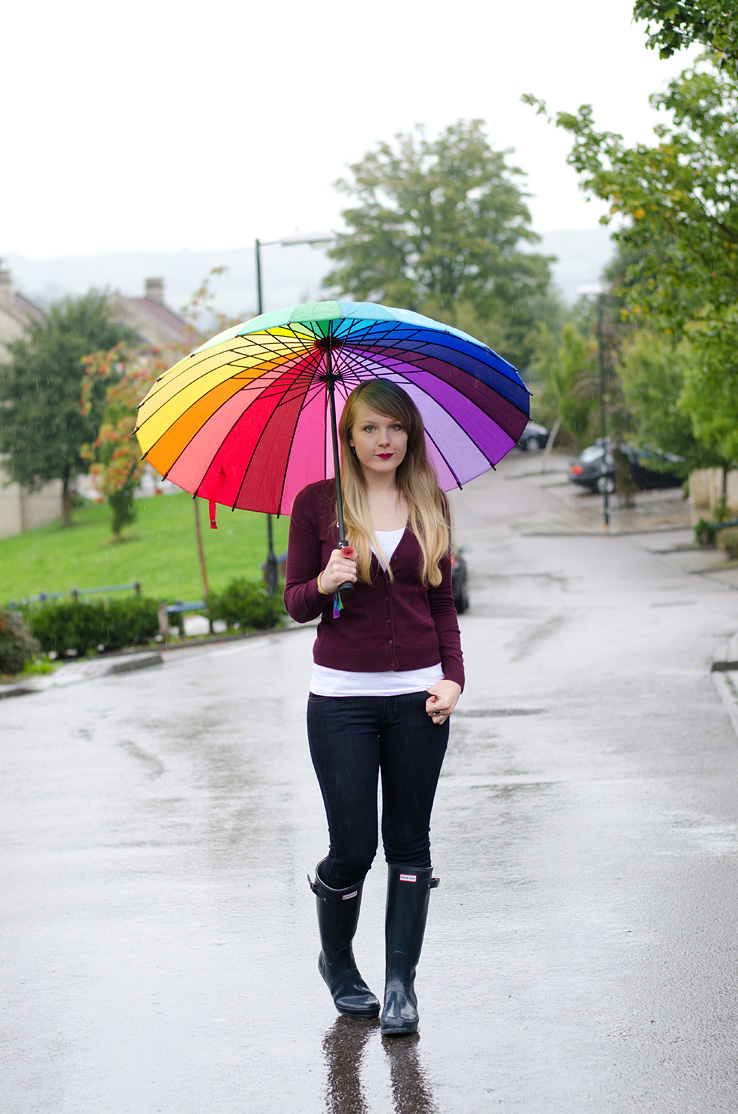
21	509
151	318
15	313
156	326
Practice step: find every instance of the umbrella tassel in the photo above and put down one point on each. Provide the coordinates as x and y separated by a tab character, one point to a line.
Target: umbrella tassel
337	604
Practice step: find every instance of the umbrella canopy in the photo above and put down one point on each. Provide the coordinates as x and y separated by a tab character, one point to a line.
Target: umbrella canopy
249	417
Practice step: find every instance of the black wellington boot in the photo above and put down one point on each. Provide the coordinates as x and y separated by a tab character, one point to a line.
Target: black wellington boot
338	916
408	893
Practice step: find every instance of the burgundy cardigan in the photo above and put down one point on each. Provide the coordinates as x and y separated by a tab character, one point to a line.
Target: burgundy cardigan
387	625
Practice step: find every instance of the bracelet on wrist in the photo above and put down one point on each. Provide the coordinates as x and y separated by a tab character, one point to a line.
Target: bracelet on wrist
321	589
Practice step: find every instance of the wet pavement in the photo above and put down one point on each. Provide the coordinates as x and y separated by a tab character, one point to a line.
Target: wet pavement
158	940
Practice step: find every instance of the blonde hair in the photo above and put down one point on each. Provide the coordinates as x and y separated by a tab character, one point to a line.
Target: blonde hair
416	480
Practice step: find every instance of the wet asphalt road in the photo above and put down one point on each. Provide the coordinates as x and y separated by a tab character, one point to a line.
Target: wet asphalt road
158	949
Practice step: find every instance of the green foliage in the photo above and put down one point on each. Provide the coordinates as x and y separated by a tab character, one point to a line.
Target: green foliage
652	369
678	203
675	24
573	382
43	429
246	605
439	226
704	534
83	626
122	508
17	645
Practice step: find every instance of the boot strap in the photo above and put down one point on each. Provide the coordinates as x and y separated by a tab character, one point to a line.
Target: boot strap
434	883
315	889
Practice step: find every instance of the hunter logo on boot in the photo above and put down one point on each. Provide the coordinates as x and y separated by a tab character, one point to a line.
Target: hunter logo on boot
347	897
408	877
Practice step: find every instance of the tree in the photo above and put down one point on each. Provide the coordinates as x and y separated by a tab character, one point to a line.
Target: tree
114	457
440	226
674	24
127	372
677	204
573	382
42	430
653	369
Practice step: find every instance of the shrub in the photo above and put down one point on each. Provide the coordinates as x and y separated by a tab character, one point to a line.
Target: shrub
704	533
87	625
727	541
246	605
17	645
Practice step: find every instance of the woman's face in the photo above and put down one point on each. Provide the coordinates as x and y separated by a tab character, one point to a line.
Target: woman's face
380	442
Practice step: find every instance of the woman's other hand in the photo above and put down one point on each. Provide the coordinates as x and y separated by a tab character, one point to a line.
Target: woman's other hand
339	569
442	700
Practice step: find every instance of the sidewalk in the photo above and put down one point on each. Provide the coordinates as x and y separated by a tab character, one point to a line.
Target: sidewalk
664	514
73	673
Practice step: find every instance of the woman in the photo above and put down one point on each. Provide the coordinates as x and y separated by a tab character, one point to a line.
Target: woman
387	674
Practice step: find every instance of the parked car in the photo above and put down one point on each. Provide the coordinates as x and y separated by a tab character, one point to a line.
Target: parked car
594	468
533	437
459	581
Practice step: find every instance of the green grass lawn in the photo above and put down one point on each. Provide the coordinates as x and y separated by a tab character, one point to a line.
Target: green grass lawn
159	550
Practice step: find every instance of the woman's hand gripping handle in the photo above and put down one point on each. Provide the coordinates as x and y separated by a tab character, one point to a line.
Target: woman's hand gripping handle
340	573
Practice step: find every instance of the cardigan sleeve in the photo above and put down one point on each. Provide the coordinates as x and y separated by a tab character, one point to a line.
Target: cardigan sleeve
302	597
443	611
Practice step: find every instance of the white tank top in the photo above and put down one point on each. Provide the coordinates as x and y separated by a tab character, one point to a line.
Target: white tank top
341	682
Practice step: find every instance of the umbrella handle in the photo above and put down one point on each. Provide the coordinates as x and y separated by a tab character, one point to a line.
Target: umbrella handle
346	551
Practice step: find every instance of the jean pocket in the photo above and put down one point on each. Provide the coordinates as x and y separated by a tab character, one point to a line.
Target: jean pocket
313	698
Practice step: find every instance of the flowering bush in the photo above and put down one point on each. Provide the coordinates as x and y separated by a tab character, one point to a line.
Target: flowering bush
17	645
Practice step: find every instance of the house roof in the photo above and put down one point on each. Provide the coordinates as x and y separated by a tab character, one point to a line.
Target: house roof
152	319
164	317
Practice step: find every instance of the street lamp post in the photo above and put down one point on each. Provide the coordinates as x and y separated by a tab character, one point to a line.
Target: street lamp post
314	239
597	290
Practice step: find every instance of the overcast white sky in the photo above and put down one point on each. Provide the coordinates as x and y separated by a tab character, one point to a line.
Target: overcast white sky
156	125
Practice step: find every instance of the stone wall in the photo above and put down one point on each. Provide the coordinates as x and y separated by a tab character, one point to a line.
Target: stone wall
706	491
21	510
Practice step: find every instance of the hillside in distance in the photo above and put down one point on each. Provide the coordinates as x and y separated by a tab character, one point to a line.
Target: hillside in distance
289	274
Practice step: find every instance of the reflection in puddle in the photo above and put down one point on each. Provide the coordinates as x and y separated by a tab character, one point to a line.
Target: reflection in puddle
343	1048
410	1090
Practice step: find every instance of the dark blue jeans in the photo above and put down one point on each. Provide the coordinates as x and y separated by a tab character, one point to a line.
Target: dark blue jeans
354	739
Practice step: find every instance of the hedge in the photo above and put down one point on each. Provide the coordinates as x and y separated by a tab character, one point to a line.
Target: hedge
82	626
246	605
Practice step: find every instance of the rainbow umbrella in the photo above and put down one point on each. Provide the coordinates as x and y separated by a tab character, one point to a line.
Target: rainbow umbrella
250	416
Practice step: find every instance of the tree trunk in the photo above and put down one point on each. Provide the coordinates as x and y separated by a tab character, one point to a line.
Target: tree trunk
67	501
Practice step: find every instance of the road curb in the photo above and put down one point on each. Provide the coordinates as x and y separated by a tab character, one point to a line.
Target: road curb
76	672
727	658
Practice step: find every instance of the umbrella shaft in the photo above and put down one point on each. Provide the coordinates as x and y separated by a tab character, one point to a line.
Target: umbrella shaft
334	437
348	586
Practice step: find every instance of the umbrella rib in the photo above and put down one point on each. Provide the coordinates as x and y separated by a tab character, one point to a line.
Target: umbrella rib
261	435
261	392
264	451
419	387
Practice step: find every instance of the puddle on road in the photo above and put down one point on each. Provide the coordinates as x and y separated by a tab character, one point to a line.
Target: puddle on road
344	1049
